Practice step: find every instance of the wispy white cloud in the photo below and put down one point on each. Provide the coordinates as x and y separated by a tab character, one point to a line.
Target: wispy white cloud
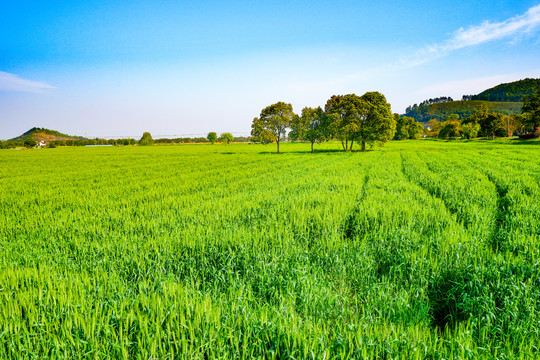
479	34
11	82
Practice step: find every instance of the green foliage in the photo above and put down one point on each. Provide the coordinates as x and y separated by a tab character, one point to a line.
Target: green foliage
451	128
30	143
212	137
226	138
417	250
146	139
492	125
407	128
470	130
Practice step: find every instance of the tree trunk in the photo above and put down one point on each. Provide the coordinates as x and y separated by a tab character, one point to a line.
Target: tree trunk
312	147
363	146
346	145
277	142
343	145
352	142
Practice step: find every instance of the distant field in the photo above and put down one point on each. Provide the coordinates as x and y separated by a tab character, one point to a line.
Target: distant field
418	250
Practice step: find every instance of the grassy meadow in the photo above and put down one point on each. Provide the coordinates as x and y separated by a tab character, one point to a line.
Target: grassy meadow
417	250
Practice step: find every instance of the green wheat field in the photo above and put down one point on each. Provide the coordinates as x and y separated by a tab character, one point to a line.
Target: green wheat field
417	250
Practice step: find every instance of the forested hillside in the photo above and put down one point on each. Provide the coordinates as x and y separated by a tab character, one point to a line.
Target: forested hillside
511	92
441	111
504	98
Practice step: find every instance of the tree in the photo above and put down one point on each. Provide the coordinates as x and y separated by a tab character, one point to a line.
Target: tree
451	128
146	139
275	119
366	119
416	130
312	126
491	124
470	130
336	110
433	128
531	109
515	123
29	143
407	128
212	137
379	125
226	138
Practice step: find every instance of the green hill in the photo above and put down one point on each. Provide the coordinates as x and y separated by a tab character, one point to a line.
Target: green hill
510	92
47	135
441	111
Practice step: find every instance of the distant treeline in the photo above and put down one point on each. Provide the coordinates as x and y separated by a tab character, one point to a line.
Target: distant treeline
29	142
425	103
195	140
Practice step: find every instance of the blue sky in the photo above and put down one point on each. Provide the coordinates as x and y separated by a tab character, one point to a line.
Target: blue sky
103	68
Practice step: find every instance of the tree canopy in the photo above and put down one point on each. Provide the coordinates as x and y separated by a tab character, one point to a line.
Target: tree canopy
275	119
146	139
212	137
378	125
226	138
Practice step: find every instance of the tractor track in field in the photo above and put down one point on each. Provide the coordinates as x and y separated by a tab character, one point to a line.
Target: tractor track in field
348	227
434	192
498	237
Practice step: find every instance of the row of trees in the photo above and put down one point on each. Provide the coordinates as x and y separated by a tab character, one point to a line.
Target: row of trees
351	119
30	142
146	139
225	138
423	104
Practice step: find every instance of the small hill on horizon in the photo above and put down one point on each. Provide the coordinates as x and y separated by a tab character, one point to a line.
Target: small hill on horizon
42	134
